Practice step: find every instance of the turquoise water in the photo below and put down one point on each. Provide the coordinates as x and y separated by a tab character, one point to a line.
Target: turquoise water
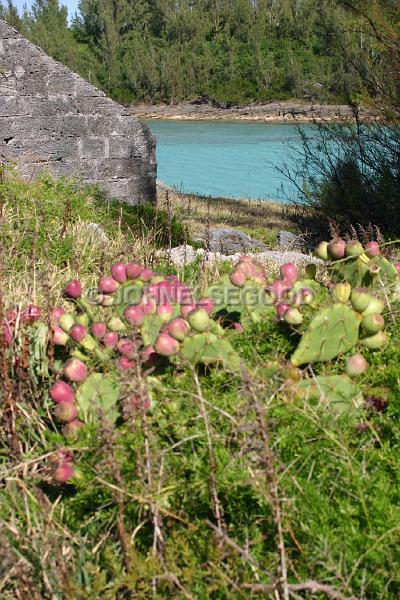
235	160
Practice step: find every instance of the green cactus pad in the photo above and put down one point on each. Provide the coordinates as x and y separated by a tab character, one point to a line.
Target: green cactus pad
98	396
353	271
388	272
151	328
337	392
207	348
332	332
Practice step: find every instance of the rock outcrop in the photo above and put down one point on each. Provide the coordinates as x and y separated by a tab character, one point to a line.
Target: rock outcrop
52	119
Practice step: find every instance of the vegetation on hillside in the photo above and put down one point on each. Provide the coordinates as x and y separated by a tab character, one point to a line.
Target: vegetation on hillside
267	470
232	51
349	175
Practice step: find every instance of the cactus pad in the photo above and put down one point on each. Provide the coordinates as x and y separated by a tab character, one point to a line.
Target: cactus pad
98	396
332	332
337	392
207	349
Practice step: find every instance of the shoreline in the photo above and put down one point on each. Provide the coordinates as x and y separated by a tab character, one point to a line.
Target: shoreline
259	218
163	189
273	112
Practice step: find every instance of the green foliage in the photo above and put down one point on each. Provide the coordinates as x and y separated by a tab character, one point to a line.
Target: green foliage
332	332
97	397
150	222
227	52
337	394
48	211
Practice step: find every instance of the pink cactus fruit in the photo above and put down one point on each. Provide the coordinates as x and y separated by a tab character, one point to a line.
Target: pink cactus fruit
166	345
73	289
75	370
108	285
61	392
118	271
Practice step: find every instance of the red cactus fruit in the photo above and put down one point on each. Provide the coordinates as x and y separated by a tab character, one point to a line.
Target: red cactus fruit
206	303
165	311
178	328
56	314
110	339
31	314
281	309
146	275
238	278
64	472
372	249
134	315
99	330
337	248
75	370
7	333
61	392
78	333
125	364
59	337
289	272
108	285
166	345
133	270
66	411
126	347
356	365
73	289
278	288
118	271
149	306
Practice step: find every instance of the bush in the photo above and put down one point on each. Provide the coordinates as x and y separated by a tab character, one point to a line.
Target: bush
349	175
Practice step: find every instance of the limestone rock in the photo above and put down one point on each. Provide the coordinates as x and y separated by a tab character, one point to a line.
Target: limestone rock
231	241
52	119
185	255
290	241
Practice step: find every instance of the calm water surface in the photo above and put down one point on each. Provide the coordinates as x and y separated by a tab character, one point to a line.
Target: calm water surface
235	160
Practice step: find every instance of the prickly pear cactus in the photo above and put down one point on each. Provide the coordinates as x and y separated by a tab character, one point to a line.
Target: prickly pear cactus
338	393
98	397
354	271
332	332
207	348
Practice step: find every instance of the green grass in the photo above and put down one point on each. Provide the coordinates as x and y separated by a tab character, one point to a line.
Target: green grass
139	520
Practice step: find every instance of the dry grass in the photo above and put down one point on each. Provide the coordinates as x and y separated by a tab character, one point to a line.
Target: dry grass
199	212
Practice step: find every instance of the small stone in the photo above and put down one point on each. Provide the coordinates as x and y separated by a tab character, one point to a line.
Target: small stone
290	241
231	241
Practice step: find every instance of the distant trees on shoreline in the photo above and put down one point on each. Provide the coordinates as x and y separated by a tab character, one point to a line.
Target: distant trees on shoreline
233	51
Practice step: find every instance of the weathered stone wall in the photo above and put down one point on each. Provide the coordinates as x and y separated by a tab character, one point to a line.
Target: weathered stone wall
52	119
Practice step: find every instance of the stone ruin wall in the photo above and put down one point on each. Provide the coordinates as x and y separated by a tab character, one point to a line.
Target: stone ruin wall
52	119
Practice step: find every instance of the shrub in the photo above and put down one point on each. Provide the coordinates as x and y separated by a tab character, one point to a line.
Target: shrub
349	175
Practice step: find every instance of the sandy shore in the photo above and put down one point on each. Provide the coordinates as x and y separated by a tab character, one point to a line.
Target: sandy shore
289	111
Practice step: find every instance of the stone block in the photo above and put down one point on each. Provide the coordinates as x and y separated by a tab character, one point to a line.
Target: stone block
52	119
